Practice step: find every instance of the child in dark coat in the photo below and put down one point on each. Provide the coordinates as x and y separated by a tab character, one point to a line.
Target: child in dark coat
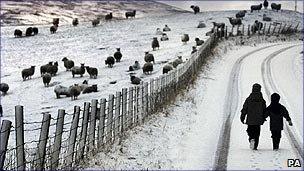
276	112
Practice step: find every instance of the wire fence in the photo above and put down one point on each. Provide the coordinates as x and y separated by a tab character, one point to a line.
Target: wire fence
64	142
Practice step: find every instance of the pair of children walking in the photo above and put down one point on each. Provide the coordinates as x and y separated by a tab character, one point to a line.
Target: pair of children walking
256	112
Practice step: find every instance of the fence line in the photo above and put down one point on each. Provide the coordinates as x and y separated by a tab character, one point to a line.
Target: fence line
104	121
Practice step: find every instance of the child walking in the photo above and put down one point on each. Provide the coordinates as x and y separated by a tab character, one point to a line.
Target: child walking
276	112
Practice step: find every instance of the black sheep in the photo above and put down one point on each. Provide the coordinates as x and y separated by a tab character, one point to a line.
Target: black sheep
117	55
4	88
29	31
265	18
56	21
275	6
35	30
185	38
193	49
235	21
135	80
46	78
90	89
240	14
68	64
257	26
53	29
75	22
109	16
95	22
110	61
43	68
28	72
74	91
18	33
130	14
199	42
93	72
265	4
195	9
219	25
52	69
76	70
149	57
167	68
147	68
256	7
155	43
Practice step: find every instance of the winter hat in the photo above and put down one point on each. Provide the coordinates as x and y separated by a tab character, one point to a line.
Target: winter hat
256	87
275	98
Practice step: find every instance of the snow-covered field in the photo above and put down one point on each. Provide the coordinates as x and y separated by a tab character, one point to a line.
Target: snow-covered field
182	137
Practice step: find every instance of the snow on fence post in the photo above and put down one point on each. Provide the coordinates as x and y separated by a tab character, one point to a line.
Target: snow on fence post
72	137
268	32
130	108
101	126
124	110
4	136
19	126
84	128
58	139
44	135
117	115
110	119
92	125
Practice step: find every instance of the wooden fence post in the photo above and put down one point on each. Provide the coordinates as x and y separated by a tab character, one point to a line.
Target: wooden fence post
4	136
151	100
72	137
19	126
123	120
283	29
117	118
44	135
268	32
265	25
130	108
146	98
92	125
101	127
296	28
58	139
248	30
280	28
274	29
110	119
84	131
243	29
226	32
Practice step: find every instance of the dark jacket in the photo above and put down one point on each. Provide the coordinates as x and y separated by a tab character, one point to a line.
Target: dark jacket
276	112
254	108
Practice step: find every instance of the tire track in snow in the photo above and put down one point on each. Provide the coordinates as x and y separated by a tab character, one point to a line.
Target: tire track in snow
231	104
267	78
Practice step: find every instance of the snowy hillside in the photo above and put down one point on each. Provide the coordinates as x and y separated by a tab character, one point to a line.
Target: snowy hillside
43	12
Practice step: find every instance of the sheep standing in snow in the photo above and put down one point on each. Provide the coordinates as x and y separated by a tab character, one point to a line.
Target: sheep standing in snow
76	70
46	78
95	22
43	68
28	73
149	57
135	80
177	61
265	18
147	68
201	24
18	33
52	69
166	28
93	72
61	90
265	4
235	21
240	14
4	88
155	43
256	7
185	38
198	41
257	26
195	9
75	22
130	14
117	55
109	16
193	49
110	61
68	64
53	29
167	68
275	6
219	25
75	91
56	21
35	30
90	89
164	37
29	31
135	66
158	31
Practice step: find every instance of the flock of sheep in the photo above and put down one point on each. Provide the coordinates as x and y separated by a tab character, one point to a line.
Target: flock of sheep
49	70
